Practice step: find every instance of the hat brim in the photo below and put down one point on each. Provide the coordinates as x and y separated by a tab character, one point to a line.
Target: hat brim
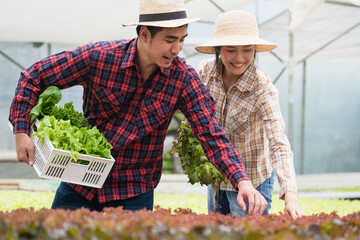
167	23
237	40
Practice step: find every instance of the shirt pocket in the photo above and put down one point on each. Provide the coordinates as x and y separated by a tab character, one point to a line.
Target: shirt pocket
240	121
153	113
107	103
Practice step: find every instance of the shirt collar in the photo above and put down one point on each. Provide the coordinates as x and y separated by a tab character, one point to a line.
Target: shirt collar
247	79
130	54
166	71
130	58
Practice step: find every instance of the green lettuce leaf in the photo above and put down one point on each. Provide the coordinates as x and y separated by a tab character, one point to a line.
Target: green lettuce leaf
45	105
77	140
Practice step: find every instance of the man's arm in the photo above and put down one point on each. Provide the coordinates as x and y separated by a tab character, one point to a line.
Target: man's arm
199	108
64	70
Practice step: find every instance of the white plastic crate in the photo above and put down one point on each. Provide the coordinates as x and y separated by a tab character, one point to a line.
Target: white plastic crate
56	164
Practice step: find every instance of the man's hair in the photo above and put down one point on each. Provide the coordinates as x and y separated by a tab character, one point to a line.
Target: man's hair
153	30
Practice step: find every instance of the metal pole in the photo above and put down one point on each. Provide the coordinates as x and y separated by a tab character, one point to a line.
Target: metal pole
342	3
291	82
12	60
217	6
302	147
257	11
330	42
49	49
279	75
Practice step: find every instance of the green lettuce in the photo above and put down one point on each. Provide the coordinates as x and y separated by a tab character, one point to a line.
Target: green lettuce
193	160
67	112
45	105
77	140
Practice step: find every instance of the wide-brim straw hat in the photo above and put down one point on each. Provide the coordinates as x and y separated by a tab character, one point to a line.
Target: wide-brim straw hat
236	28
162	13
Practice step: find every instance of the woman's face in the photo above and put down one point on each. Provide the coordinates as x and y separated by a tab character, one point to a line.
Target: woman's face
237	58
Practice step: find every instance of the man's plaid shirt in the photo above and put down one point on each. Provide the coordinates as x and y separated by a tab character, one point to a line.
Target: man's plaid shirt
133	114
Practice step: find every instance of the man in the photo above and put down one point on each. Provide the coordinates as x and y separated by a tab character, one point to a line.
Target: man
132	88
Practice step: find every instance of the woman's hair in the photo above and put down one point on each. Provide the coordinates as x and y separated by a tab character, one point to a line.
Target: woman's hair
219	66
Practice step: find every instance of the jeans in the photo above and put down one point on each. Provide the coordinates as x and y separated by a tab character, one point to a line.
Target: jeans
227	200
68	198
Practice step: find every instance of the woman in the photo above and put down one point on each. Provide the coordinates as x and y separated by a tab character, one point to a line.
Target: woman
248	110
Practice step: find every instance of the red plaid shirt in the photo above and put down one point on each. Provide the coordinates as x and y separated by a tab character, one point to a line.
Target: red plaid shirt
133	114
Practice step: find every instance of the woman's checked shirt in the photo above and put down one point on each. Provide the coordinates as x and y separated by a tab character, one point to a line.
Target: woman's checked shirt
250	115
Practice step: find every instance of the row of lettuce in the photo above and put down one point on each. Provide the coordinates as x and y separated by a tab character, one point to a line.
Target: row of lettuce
115	223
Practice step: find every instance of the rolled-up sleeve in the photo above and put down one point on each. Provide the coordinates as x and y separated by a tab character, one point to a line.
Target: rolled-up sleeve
281	156
64	70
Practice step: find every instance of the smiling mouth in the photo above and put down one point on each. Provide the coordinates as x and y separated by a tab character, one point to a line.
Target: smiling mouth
238	65
169	58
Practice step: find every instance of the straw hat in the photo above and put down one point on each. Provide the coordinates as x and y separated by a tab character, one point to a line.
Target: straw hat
162	13
236	28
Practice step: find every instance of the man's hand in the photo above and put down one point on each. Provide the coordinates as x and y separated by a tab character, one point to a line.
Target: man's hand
257	203
291	205
24	148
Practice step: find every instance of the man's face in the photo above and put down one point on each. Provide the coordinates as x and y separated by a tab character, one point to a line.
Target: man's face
166	45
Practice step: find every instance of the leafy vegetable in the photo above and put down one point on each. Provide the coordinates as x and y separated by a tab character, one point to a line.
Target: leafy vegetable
117	223
66	128
67	112
78	141
193	160
45	105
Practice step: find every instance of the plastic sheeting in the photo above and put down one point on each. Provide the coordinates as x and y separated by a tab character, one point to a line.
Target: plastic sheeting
65	22
314	23
330	30
300	10
80	21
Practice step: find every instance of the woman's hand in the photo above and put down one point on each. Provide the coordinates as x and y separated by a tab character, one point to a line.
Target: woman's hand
291	205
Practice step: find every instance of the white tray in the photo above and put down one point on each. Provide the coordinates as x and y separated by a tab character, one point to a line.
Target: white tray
56	164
